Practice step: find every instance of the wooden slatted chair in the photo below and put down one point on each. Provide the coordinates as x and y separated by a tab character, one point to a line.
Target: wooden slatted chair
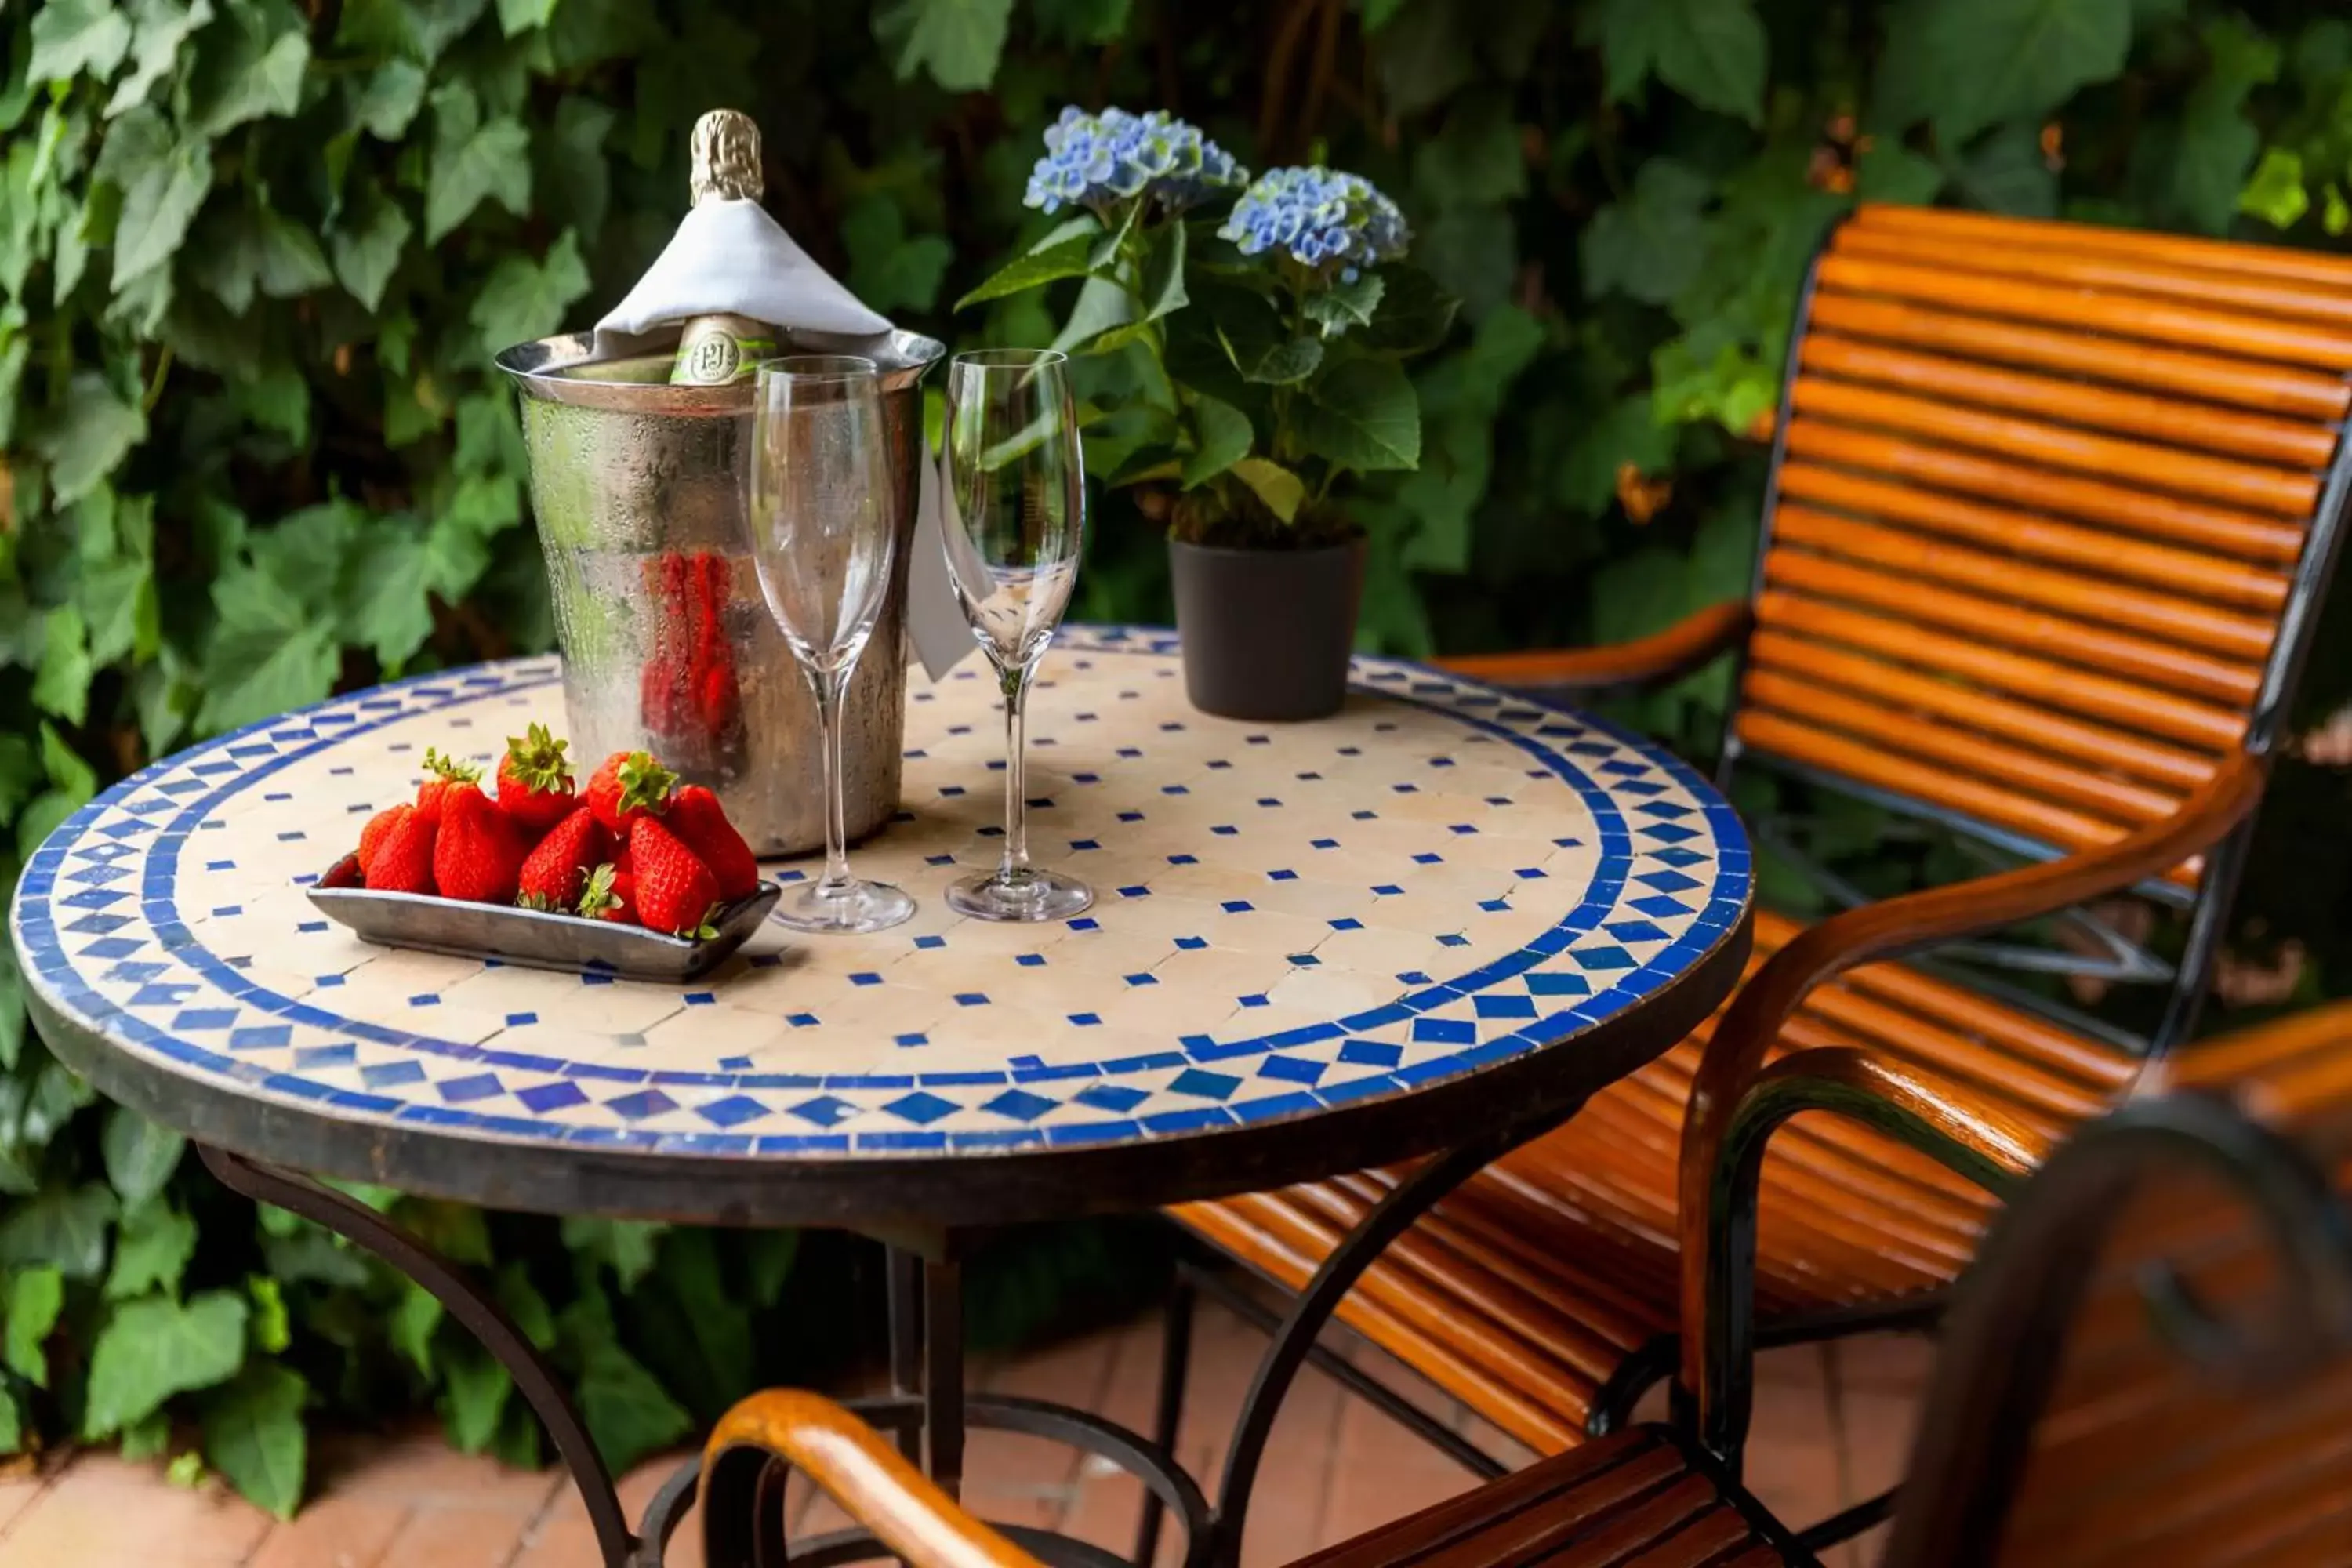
2050	510
2151	1367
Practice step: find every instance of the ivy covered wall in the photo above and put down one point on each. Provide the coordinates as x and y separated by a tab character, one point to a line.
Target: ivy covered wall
255	256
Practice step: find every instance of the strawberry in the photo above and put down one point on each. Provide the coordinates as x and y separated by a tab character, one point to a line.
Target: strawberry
379	828
675	893
609	896
447	775
553	873
697	819
404	857
625	788
535	780
476	856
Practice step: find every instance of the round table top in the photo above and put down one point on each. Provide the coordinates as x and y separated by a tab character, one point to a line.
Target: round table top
1315	947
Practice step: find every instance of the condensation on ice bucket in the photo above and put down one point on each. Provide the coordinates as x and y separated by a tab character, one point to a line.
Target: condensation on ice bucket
668	644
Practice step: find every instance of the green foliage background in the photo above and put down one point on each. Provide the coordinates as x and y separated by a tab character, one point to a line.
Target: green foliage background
255	256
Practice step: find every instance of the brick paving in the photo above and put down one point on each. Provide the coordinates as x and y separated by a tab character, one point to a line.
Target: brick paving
1833	1426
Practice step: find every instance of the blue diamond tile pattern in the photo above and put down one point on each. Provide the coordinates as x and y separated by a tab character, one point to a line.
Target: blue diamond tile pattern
1339	940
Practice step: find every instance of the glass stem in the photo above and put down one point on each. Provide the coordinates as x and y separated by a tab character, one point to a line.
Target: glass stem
1014	867
828	685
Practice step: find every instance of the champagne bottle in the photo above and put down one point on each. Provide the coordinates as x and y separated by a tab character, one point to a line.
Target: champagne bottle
717	349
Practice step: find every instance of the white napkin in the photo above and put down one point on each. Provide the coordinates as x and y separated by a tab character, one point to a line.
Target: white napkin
935	619
732	258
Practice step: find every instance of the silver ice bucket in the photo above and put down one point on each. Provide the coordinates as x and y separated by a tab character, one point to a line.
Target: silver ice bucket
668	644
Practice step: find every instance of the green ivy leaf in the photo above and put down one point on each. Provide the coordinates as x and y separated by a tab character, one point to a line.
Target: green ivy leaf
2006	173
1887	171
152	1253
74	778
269	652
118	601
162	185
1968	64
475	1391
1066	252
2217	144
420	28
382	599
252	1435
74	36
1282	491
388	100
1362	414
1711	51
140	1155
575	183
249	69
366	247
959	42
1378	14
412	1325
1651	244
517	16
35	1295
11	984
1586	480
1223	438
522	298
61	686
161	28
887	270
90	436
625	1246
628	1414
2275	193
11	1423
154	1348
473	161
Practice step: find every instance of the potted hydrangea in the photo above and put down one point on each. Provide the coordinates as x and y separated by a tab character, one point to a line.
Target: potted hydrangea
1259	377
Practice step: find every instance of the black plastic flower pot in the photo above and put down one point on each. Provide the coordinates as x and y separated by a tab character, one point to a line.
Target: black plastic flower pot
1267	633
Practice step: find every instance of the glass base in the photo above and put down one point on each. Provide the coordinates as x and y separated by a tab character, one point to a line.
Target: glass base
1035	896
842	910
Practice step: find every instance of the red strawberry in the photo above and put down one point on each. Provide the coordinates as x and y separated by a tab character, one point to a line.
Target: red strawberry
448	774
535	780
697	819
676	893
476	857
609	896
404	857
628	785
553	874
379	828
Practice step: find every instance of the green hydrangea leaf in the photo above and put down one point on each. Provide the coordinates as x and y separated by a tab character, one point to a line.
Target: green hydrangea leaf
1713	52
1282	491
71	38
35	1297
473	163
388	100
152	1252
1415	314
1066	252
2006	173
1344	305
161	29
252	1435
1969	64
1362	414
959	42
1651	244
141	1155
522	298
1223	437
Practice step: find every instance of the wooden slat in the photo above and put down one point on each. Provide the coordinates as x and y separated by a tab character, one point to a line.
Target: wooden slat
2280	491
2108	273
2317	268
2192	573
1988	760
2060	686
2236	638
2026	630
2219	378
2292	442
2207	527
2132	755
2259	337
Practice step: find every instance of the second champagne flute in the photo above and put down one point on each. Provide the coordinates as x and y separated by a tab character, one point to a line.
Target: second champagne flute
1013	517
824	520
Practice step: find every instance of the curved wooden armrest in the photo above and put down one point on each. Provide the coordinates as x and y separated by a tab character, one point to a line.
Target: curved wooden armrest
1734	1056
855	1466
1661	656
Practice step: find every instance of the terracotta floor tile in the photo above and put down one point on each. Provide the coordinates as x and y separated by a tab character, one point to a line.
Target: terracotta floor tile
1021	1480
104	1513
457	1537
1381	1472
417	1466
351	1529
1107	1504
561	1536
1792	1455
1895	1363
16	1495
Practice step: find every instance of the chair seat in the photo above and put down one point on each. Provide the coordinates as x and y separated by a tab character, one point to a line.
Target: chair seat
1522	1291
1631	1500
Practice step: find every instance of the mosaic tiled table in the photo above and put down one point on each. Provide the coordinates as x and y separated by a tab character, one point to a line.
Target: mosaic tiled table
1436	923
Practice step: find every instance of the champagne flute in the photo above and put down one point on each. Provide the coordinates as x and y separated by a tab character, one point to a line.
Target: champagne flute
1013	514
822	516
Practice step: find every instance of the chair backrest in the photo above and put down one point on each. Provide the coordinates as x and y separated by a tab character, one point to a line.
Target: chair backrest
2151	1365
2050	510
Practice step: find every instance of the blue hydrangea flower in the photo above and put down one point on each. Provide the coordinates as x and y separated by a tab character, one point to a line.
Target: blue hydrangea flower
1094	159
1320	216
